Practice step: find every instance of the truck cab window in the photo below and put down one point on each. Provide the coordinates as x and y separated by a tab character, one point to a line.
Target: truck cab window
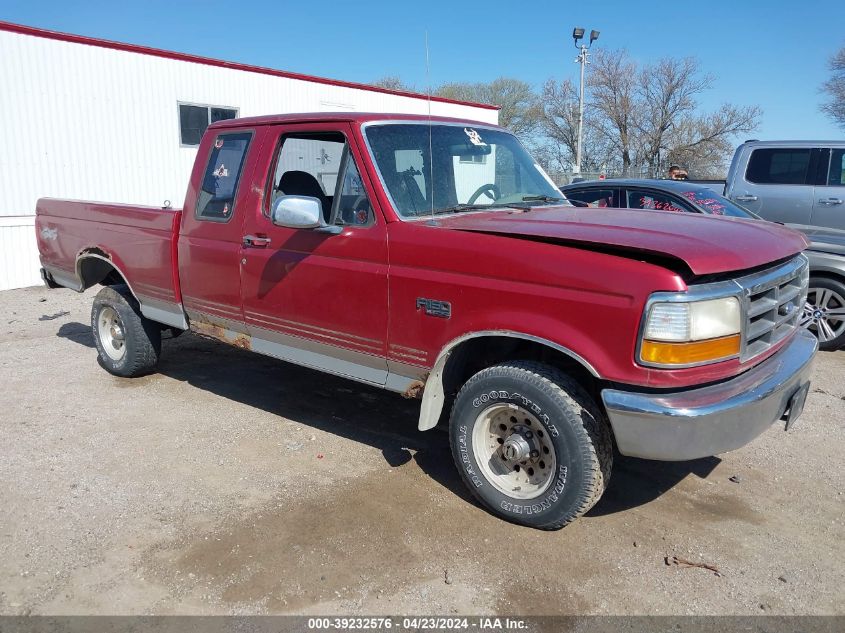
308	164
352	205
778	166
216	198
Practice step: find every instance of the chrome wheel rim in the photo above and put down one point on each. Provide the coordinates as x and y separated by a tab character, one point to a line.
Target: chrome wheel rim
514	451
824	313
111	333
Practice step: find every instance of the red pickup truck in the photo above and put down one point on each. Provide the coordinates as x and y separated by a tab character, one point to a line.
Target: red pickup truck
435	258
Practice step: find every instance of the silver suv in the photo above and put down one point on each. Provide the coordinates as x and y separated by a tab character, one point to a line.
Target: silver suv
795	182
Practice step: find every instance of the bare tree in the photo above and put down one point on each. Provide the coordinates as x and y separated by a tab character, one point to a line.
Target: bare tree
519	112
613	99
835	89
393	82
702	142
559	127
667	95
651	114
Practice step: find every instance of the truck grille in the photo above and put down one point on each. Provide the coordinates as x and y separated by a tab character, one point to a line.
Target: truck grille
773	301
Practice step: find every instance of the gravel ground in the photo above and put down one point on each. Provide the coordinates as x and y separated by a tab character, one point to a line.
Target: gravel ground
229	483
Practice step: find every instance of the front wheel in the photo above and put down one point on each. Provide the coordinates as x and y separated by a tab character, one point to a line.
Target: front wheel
531	444
128	343
824	312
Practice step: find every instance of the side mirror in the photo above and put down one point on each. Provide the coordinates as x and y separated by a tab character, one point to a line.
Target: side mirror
301	212
297	212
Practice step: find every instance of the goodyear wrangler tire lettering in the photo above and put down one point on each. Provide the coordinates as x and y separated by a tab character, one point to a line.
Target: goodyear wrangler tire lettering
465	460
530	444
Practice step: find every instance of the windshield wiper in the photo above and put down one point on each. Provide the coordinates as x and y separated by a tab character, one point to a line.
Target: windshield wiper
547	199
458	208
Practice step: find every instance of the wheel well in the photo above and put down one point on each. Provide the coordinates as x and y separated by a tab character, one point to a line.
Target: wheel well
94	269
828	274
475	354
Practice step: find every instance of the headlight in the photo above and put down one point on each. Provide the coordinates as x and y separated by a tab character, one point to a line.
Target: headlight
691	333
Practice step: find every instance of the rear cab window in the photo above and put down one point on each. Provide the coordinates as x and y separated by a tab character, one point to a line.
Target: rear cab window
216	199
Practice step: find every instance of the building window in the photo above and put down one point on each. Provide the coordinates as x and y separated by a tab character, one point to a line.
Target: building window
194	119
477	159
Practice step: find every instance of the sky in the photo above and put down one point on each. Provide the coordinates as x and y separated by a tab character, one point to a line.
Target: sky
768	53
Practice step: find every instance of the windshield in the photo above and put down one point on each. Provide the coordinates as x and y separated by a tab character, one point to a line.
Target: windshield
714	204
467	168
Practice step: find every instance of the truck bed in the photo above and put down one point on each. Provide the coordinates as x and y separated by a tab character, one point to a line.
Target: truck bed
81	243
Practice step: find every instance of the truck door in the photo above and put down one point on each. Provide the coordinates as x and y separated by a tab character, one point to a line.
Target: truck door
317	298
829	202
777	184
210	237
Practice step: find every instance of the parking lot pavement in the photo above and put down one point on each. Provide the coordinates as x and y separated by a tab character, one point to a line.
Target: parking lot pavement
233	483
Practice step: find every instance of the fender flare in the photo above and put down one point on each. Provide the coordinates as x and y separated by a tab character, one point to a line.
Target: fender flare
149	310
433	395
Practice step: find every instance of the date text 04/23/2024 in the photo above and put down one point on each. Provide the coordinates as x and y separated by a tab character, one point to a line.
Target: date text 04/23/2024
417	623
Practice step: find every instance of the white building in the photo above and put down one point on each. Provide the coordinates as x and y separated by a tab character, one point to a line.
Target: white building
98	120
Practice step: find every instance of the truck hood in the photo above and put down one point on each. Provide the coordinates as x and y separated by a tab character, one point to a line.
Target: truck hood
706	244
822	239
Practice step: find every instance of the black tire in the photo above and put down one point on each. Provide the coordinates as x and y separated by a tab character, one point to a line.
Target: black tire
141	337
574	425
836	301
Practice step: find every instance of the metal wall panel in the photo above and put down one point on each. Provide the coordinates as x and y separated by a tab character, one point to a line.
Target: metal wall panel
18	253
85	122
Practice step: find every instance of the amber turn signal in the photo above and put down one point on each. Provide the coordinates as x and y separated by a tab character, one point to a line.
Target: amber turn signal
661	353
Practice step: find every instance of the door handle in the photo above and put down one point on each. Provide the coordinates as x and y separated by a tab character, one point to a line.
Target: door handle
830	201
746	198
256	241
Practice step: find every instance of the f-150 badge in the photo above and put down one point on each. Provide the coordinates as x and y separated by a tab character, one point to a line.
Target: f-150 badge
432	307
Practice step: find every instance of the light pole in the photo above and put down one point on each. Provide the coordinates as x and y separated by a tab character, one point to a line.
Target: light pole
578	35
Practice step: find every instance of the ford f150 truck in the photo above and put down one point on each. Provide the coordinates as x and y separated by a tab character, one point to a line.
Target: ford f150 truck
435	258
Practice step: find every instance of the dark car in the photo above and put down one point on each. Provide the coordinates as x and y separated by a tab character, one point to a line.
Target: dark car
824	312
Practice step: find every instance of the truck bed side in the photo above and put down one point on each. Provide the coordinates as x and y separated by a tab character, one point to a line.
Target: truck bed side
85	243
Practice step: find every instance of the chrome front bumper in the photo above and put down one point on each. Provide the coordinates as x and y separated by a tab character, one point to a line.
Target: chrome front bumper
717	418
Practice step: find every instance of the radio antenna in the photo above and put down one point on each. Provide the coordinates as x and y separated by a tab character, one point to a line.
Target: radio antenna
430	152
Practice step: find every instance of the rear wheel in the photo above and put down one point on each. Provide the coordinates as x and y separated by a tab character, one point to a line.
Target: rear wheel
531	444
824	312
128	344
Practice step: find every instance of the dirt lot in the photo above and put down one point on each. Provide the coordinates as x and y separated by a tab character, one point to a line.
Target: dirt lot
232	483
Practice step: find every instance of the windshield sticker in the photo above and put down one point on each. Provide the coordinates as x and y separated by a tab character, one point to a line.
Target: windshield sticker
712	205
647	202
474	137
218	143
221	172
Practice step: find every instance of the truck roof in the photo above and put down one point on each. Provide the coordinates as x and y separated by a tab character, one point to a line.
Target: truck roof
354	117
801	143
